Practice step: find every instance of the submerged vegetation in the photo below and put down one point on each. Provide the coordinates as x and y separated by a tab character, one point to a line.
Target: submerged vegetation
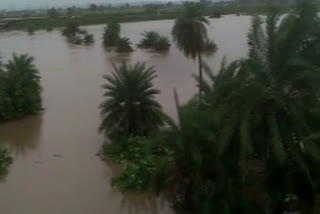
248	143
111	38
251	145
111	34
153	40
124	45
76	35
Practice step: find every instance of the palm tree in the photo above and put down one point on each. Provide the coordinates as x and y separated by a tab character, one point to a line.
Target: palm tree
130	107
149	39
190	34
23	85
260	103
111	34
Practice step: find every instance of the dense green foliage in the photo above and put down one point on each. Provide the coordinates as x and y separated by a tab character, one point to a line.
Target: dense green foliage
111	34
20	90
137	166
154	41
5	160
130	108
124	45
252	144
190	34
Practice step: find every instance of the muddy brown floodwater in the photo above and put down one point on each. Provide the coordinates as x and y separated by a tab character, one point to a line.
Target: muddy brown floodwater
55	169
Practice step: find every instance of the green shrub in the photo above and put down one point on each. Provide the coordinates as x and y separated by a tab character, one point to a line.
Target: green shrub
134	176
150	38
124	45
137	157
162	44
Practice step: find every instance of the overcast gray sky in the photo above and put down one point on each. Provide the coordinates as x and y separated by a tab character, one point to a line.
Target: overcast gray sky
25	4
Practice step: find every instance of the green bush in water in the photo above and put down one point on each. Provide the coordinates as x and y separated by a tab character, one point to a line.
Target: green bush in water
154	41
124	45
150	38
137	157
111	34
162	44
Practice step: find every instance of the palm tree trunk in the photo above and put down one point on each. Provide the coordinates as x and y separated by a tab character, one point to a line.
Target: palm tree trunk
200	77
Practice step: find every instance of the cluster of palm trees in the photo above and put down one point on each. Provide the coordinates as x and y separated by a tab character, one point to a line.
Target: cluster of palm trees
152	40
251	143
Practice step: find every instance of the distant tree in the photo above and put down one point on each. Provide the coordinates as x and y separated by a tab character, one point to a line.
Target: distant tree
149	39
93	7
71	29
71	11
53	13
111	34
151	8
101	8
169	4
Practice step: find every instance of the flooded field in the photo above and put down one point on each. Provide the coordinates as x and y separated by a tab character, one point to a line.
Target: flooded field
55	169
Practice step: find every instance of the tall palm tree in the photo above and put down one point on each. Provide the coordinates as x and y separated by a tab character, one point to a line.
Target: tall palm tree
23	85
190	34
130	107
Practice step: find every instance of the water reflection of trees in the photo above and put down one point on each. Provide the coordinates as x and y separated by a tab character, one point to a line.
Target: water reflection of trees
22	135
